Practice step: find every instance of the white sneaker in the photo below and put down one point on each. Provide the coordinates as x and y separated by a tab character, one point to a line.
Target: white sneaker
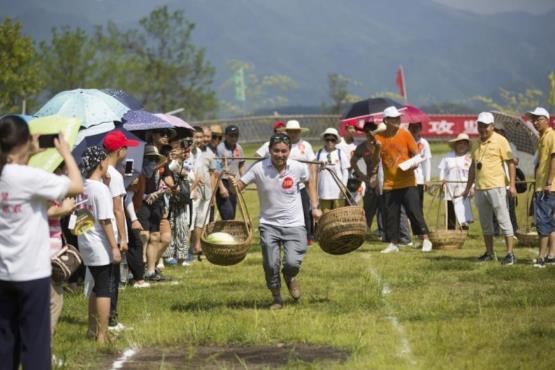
186	263
119	327
144	284
391	248
409	244
426	245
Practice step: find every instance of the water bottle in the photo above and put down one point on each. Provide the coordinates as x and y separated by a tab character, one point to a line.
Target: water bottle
123	269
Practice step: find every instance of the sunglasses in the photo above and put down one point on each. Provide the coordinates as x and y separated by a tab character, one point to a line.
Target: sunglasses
280	138
216	137
330	140
162	132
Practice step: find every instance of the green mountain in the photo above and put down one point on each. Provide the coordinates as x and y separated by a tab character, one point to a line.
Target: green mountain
447	54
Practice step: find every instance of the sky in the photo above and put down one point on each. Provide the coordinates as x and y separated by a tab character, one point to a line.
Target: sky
495	6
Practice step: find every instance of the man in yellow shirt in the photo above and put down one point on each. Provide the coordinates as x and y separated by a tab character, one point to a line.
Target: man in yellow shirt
488	156
544	196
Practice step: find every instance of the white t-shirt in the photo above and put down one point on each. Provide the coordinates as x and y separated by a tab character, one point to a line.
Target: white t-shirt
279	193
336	161
348	149
302	151
454	168
203	166
93	244
117	188
25	195
423	172
264	150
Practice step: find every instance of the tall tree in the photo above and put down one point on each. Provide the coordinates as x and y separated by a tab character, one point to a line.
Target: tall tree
68	60
338	88
174	72
19	76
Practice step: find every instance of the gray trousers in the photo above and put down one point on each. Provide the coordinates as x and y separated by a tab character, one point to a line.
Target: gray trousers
293	241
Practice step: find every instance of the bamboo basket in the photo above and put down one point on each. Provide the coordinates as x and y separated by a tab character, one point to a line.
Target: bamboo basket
242	231
527	239
341	230
444	239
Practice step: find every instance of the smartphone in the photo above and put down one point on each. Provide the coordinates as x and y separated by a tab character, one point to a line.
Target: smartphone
47	141
129	167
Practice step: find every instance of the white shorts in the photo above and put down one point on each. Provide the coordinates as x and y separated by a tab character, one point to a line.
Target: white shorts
200	209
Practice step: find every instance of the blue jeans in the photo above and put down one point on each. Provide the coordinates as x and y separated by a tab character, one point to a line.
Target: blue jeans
544	208
227	206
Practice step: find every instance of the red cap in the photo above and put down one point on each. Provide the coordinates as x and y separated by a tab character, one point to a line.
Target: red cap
116	140
279	124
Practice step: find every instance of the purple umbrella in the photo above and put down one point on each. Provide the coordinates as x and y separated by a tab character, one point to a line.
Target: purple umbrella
137	120
124	98
135	153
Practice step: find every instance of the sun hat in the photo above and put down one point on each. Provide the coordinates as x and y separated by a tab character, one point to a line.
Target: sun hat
294	125
116	140
460	137
330	131
216	129
151	151
391	112
539	111
486	118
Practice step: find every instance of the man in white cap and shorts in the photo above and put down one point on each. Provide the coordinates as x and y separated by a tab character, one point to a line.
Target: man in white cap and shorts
278	179
488	156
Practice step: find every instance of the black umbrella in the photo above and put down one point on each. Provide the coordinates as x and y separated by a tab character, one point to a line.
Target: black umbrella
123	98
520	133
370	106
135	153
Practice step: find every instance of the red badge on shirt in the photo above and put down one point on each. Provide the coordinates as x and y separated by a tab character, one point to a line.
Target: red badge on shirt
287	182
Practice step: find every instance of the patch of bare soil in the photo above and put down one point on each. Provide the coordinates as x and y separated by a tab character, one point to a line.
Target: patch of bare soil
234	357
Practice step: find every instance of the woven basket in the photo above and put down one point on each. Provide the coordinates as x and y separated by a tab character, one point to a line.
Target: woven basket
341	230
447	239
227	254
242	232
527	239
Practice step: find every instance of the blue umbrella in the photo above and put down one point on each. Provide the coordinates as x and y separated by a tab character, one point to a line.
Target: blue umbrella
137	120
124	98
91	106
135	153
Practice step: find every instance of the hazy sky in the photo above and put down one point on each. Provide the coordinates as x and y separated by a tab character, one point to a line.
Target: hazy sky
494	6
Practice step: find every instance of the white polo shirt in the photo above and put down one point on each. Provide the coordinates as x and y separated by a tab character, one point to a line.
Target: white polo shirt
279	193
25	193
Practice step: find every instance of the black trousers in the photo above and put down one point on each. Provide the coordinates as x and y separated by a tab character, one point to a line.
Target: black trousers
408	198
371	201
308	221
227	206
25	324
135	253
114	290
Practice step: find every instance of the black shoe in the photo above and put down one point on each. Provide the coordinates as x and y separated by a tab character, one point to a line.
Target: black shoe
155	277
509	260
540	263
113	320
487	257
549	260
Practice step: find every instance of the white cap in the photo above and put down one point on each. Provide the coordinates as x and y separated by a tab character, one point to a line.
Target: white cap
460	137
539	111
391	112
330	131
294	125
485	117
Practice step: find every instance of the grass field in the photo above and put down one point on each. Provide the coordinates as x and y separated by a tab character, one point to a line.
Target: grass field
409	310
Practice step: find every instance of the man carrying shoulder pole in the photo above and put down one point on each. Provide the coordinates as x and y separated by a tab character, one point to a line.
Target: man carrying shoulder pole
282	224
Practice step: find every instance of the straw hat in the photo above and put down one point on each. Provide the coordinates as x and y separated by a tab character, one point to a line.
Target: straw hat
152	152
216	129
460	137
294	125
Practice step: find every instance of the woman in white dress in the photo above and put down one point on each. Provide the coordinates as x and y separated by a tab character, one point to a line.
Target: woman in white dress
453	172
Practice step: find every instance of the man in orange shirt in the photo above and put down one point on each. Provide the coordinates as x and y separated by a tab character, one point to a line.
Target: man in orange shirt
399	187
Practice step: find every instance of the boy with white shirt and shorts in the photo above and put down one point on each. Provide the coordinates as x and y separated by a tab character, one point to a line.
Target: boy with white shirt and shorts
115	143
335	160
98	246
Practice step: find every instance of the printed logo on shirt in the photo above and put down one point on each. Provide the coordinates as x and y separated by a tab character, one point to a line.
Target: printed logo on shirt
237	152
287	183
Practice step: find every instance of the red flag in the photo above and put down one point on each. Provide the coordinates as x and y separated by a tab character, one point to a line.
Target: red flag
400	82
